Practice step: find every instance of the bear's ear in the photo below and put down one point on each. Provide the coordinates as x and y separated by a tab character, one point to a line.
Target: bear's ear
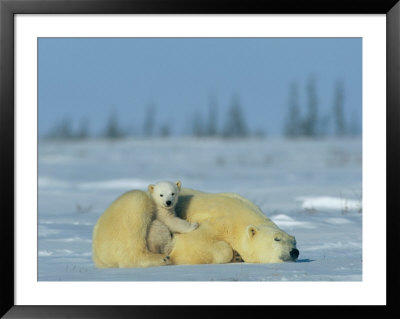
251	231
151	188
178	184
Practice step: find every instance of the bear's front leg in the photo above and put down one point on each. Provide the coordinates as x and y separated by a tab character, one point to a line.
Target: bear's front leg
176	224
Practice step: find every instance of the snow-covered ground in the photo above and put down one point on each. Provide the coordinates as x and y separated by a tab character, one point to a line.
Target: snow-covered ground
312	189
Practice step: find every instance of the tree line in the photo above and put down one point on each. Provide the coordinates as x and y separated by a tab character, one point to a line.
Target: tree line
302	120
234	127
312	123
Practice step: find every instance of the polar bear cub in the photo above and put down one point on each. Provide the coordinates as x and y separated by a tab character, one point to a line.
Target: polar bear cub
165	196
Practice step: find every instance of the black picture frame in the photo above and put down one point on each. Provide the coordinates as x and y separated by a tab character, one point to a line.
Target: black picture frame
8	8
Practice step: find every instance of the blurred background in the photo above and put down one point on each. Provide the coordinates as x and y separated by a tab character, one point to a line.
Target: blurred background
277	120
229	87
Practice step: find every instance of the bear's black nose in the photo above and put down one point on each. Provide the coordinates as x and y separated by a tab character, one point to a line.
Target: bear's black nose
168	202
294	253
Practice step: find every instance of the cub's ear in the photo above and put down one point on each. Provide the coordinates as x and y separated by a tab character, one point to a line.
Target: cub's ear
178	184
251	231
151	188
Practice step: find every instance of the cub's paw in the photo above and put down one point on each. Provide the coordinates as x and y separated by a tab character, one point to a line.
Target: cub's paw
194	226
167	260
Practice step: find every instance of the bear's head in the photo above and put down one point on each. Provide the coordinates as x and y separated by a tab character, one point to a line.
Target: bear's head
165	194
268	244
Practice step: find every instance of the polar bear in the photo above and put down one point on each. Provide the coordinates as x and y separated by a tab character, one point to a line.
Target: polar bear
119	236
228	223
232	219
159	236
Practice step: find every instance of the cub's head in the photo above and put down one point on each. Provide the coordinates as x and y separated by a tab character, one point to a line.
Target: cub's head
165	194
268	244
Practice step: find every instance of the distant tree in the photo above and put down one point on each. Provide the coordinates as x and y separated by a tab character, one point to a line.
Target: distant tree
235	124
311	120
83	129
211	129
323	125
165	130
62	130
338	110
293	125
259	133
112	129
198	125
149	121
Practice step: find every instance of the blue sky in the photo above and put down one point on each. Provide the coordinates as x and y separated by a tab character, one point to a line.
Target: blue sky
90	78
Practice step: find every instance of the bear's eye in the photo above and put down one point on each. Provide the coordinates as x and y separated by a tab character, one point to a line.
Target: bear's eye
161	195
173	194
277	239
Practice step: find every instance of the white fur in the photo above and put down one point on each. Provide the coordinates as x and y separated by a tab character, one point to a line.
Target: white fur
165	196
165	192
119	236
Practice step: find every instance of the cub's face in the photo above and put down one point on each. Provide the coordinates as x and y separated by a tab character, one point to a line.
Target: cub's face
165	194
268	244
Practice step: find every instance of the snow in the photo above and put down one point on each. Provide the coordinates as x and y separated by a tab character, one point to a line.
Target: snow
312	189
330	203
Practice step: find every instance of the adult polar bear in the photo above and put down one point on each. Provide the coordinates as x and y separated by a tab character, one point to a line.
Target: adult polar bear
227	222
